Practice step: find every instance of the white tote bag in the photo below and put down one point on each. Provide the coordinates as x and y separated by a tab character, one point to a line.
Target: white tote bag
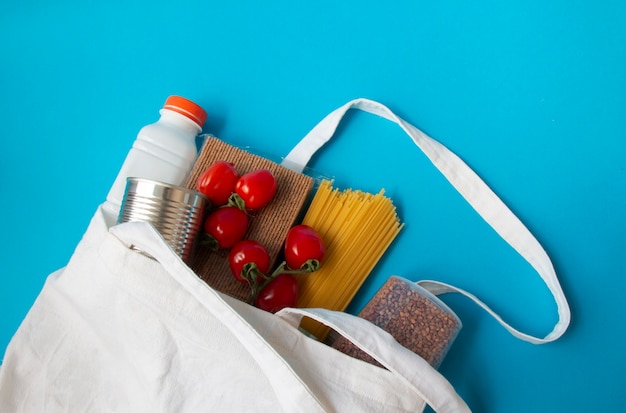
118	331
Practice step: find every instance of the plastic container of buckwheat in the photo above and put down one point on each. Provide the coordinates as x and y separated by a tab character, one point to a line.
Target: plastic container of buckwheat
416	318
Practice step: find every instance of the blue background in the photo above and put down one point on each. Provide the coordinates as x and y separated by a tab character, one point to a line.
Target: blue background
531	94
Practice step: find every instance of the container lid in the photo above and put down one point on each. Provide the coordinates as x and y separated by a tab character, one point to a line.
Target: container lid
186	107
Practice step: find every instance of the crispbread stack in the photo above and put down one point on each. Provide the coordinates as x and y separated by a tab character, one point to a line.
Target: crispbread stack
269	226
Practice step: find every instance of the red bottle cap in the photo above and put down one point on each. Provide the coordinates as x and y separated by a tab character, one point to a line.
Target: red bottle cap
187	108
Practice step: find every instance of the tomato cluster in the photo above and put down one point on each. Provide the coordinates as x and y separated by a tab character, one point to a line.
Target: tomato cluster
304	251
234	197
220	181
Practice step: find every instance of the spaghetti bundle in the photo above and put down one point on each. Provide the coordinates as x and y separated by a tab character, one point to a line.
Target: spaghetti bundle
357	228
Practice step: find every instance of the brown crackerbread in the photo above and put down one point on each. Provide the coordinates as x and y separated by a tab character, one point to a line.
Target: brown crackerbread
269	226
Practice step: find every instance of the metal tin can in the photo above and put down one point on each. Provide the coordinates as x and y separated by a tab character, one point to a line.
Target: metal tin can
177	213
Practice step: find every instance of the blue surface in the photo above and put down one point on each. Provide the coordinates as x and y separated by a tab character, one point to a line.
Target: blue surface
531	94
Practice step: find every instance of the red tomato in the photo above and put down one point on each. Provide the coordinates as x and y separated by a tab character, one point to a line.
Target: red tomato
256	188
226	226
247	259
218	182
281	292
304	248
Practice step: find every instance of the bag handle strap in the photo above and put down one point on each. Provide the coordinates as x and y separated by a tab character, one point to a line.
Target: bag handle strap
471	187
417	374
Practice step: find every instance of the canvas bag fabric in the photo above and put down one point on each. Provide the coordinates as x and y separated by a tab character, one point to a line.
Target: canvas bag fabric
117	331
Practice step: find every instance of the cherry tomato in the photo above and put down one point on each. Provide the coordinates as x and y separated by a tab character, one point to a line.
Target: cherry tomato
304	248
256	188
247	259
281	292
218	182
226	226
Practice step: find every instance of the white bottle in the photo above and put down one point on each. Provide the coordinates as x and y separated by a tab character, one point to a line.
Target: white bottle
163	151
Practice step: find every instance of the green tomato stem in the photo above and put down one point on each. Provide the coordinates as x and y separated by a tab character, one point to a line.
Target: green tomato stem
236	201
307	268
209	242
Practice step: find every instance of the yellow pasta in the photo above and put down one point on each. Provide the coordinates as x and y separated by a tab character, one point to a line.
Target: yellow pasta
357	228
